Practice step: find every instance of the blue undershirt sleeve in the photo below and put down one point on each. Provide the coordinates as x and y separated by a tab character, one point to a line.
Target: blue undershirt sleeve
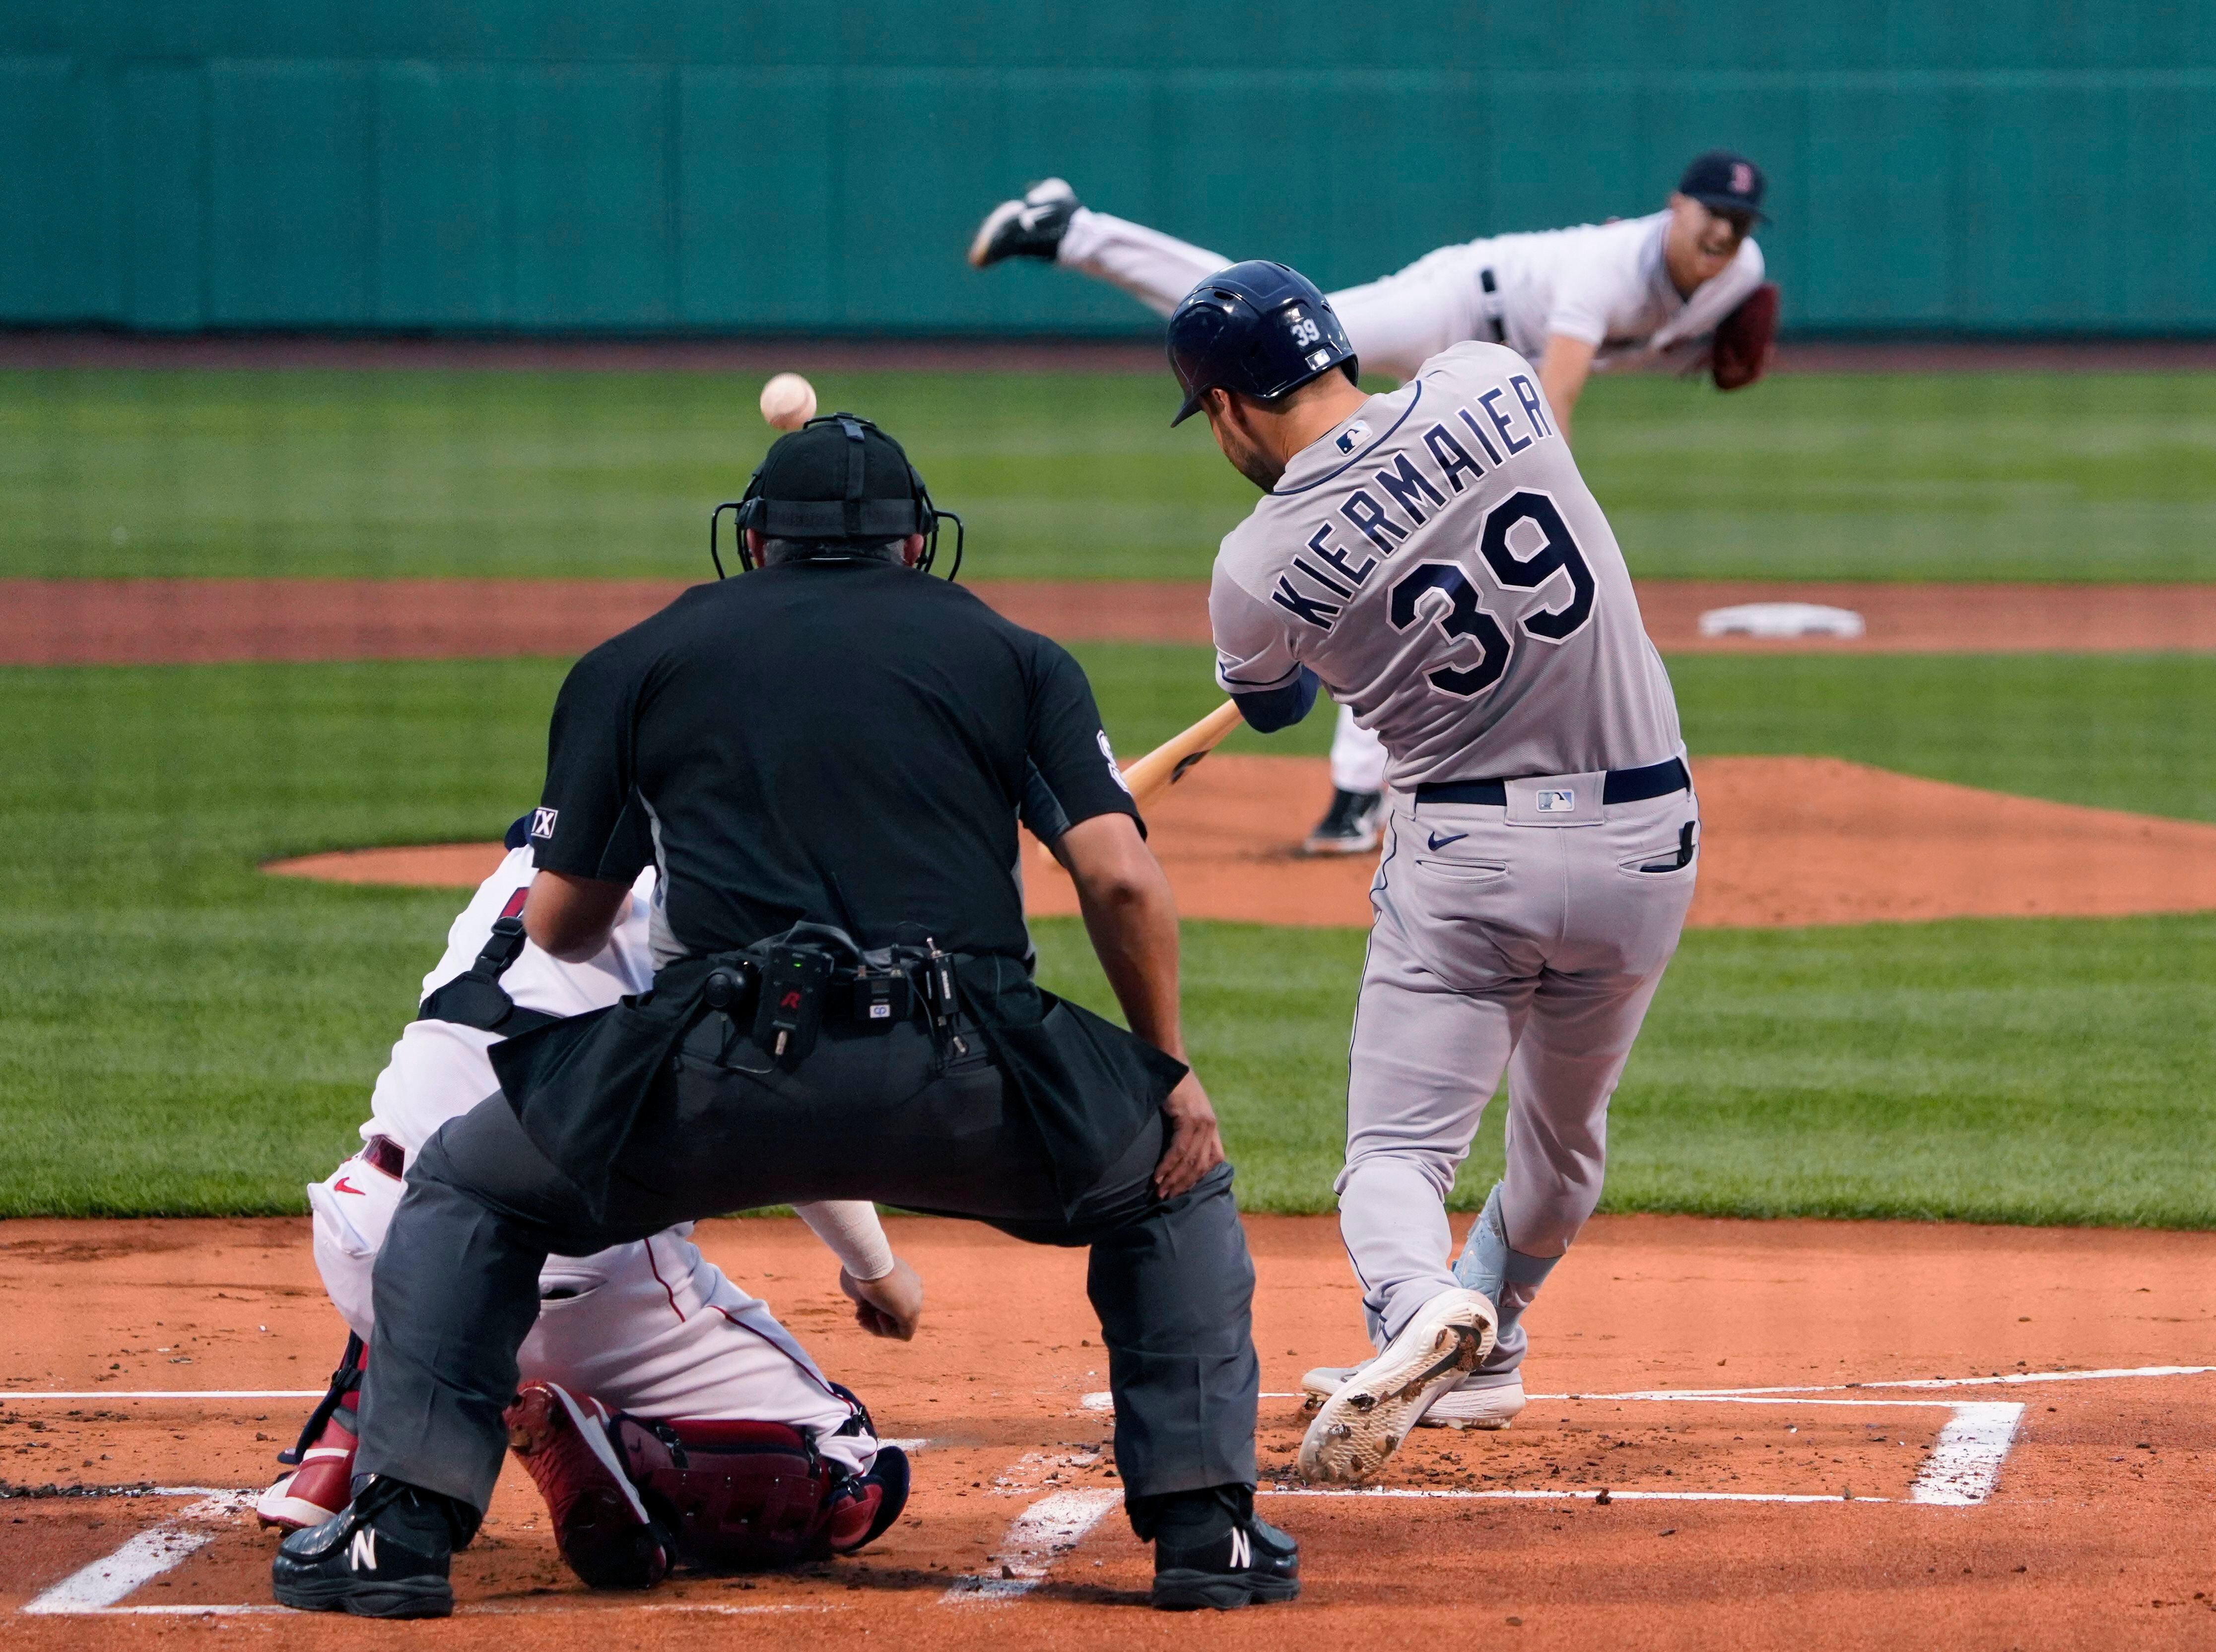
1268	710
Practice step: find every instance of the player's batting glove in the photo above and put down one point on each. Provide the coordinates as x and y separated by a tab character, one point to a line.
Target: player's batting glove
1745	340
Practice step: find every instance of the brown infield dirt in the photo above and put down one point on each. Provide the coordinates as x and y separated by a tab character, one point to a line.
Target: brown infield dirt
1849	1515
2080	1519
201	622
1785	841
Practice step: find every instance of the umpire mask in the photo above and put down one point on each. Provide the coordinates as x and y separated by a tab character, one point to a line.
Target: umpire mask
837	481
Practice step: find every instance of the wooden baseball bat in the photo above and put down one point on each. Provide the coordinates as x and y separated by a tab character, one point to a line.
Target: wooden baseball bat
1151	776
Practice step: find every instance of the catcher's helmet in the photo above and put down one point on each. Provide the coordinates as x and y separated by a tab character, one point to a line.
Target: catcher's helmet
1256	328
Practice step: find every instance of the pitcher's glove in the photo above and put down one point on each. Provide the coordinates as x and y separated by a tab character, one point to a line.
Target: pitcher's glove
1745	340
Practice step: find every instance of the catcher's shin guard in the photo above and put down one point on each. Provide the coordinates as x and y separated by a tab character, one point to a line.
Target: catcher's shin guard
736	1495
566	1443
322	1460
863	1507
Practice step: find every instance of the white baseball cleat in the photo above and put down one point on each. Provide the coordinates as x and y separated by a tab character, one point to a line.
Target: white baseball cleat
1031	227
1365	1420
1490	1399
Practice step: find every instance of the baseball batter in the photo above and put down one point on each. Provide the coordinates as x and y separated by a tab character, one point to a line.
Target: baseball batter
1433	558
649	1329
1628	293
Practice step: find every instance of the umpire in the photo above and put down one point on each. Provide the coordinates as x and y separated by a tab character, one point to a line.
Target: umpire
827	757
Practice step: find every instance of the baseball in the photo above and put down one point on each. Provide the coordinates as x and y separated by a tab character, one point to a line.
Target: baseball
788	400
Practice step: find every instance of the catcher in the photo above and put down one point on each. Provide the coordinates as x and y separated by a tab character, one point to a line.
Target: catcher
1680	286
664	1414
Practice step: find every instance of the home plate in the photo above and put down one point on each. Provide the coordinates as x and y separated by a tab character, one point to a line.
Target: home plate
1781	619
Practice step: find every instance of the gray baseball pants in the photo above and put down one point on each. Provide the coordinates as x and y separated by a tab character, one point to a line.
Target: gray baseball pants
1529	949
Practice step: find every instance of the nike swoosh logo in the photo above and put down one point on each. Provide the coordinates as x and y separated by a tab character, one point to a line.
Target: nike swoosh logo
1439	843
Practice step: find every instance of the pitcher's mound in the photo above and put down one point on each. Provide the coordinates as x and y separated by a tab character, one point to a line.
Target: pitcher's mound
1786	841
423	866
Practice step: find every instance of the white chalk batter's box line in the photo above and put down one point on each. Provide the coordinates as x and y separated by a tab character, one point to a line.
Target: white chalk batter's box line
1103	1401
1960	1470
1099	1402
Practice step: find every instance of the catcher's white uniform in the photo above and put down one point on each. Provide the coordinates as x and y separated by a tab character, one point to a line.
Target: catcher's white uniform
652	1328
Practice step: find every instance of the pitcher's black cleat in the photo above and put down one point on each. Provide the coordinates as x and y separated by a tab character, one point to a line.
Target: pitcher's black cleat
1252	1562
1349	826
384	1555
1030	228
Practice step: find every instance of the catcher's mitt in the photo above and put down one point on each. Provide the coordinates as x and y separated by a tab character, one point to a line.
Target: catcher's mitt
1745	340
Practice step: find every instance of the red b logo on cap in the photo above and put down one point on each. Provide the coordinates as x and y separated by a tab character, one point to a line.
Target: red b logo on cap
1742	182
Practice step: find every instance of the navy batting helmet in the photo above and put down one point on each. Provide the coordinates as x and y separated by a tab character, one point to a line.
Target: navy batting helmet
1258	328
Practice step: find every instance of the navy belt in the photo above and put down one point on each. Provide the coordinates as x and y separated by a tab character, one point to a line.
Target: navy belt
1493	323
1622	786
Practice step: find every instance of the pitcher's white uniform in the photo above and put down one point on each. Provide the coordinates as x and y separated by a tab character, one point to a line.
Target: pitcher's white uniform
1438	562
652	1328
1602	284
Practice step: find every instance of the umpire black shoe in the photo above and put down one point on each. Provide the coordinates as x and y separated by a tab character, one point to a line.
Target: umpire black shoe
384	1555
1251	1563
1350	826
1030	228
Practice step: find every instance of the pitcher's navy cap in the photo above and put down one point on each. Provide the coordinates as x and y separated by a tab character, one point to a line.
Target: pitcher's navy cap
1725	181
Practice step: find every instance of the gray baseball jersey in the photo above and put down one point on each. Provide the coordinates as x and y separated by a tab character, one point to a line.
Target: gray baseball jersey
1438	562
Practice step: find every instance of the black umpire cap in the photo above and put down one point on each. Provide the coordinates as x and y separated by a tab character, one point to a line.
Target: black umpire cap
1724	180
836	478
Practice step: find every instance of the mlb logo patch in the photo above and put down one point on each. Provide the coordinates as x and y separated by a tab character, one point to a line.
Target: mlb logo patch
542	822
1115	769
1555	802
1318	359
1353	437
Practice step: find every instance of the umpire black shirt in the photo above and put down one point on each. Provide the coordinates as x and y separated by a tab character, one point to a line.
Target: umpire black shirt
843	742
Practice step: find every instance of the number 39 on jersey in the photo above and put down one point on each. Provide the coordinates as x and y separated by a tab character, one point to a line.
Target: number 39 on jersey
1475	646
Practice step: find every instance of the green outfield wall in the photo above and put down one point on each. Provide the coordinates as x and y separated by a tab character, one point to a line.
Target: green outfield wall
674	165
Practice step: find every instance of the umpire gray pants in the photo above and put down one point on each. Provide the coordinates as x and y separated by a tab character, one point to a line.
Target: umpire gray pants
868	1115
1529	949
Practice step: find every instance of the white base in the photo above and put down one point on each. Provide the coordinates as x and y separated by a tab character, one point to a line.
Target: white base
1776	619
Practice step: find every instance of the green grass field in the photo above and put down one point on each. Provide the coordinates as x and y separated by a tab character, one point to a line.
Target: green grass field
185	1035
1998	476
